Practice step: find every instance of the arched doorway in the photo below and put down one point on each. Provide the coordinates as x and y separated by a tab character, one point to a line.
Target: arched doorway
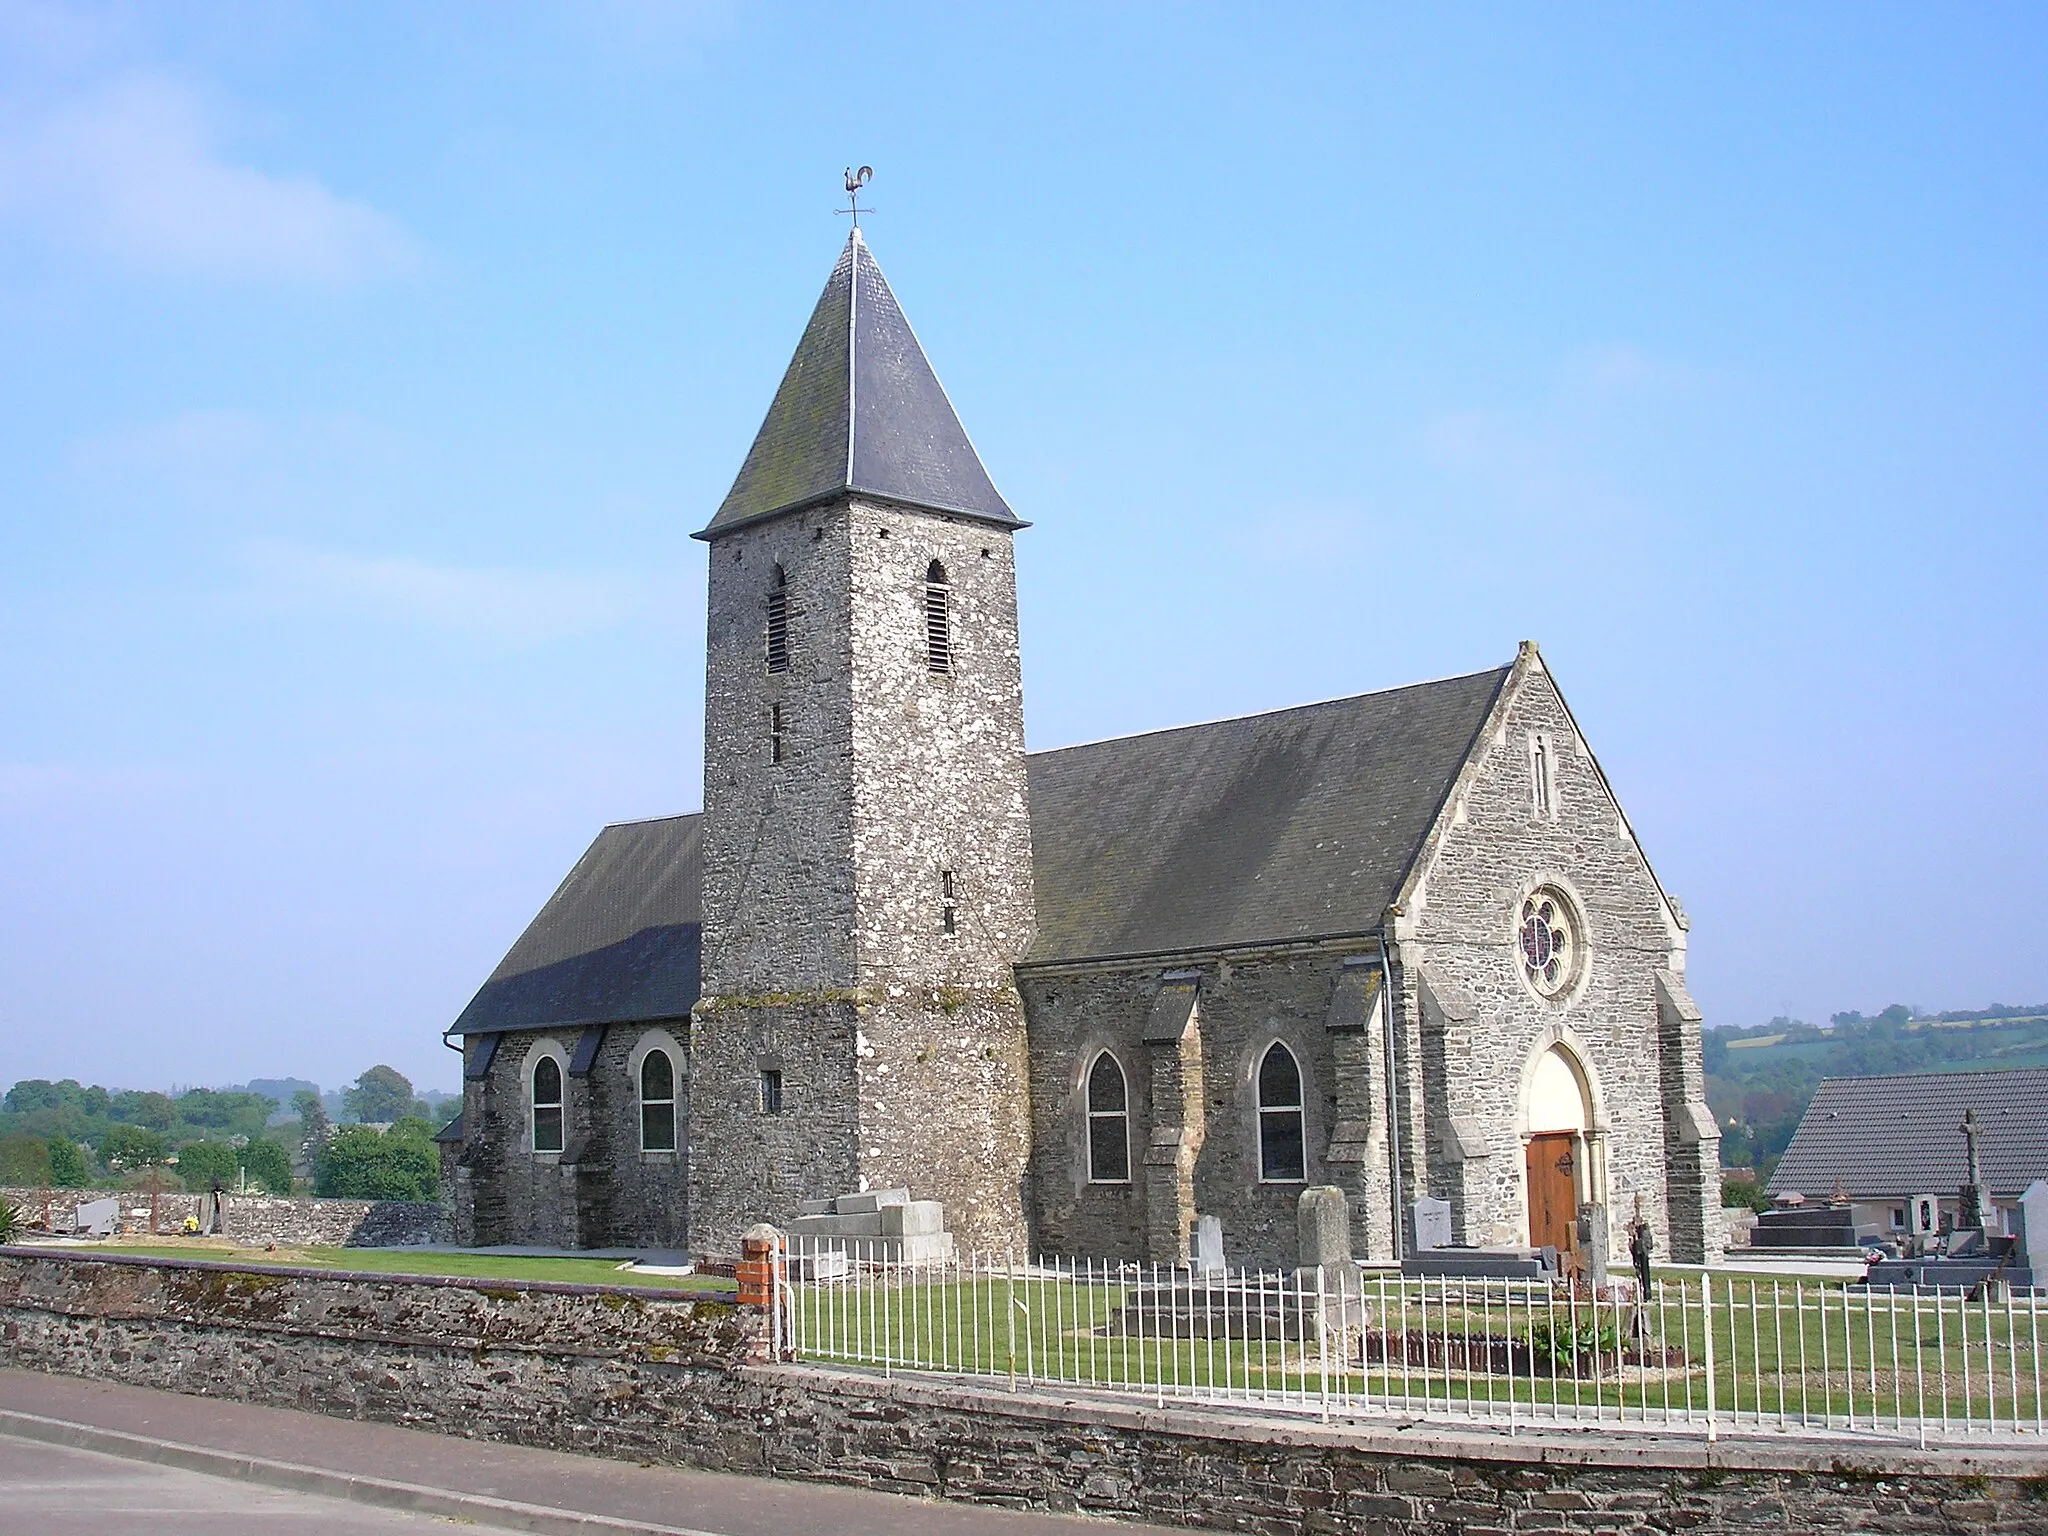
1555	1159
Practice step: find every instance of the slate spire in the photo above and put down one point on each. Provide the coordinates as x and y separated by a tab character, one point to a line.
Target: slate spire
860	409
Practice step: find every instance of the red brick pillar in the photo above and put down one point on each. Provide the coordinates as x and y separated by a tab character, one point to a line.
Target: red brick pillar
758	1272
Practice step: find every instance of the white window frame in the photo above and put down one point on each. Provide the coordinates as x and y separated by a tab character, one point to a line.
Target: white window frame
1122	1117
640	1093
547	1051
1298	1109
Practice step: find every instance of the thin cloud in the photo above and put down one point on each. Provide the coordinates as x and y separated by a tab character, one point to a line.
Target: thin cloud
132	171
522	606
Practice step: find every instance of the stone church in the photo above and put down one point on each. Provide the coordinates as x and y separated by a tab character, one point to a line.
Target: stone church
1404	943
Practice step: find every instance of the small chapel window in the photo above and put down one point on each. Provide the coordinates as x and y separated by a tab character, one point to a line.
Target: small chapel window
547	1105
1109	1123
778	621
938	620
949	920
771	1090
657	1103
1282	1139
774	733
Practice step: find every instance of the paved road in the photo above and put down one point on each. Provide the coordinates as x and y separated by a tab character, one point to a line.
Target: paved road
52	1490
200	1432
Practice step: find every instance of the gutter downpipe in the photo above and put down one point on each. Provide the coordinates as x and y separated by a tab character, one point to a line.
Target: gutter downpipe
1393	1108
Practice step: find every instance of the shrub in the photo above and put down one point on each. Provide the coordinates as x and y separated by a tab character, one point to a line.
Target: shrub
68	1169
133	1146
10	1219
361	1164
201	1163
24	1161
269	1166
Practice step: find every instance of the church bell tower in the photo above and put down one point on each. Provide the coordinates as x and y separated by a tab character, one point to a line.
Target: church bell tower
867	845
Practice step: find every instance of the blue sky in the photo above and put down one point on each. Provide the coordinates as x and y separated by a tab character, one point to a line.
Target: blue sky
366	368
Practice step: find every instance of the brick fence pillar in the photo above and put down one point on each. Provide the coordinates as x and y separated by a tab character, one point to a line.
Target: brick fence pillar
758	1273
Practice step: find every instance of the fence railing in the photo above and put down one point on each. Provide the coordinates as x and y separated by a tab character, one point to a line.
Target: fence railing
1700	1353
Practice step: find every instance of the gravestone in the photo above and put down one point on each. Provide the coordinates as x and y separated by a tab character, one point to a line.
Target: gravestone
98	1218
2034	1227
1208	1245
1432	1224
1592	1236
1322	1222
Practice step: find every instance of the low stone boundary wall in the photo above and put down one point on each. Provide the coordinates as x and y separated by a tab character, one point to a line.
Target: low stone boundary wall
659	1376
260	1219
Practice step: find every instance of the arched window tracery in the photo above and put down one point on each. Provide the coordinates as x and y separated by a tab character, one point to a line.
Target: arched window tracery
657	1102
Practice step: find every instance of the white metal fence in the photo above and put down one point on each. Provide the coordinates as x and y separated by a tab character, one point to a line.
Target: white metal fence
1702	1353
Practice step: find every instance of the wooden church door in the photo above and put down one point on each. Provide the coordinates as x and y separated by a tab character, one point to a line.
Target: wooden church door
1553	1189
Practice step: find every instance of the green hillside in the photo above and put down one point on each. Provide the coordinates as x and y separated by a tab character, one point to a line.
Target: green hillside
1760	1079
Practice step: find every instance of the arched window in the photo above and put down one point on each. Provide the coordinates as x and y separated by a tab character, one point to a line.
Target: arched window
778	621
1282	1142
657	1103
547	1105
1109	1123
938	619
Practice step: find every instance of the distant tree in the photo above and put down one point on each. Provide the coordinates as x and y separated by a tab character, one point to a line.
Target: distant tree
33	1093
363	1164
153	1110
380	1095
25	1162
133	1146
200	1163
68	1168
269	1166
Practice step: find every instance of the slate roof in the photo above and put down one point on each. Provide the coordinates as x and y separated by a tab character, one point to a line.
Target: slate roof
1890	1137
619	941
1298	824
1291	825
860	409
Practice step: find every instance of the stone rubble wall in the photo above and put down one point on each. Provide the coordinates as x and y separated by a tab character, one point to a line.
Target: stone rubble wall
257	1220
657	1377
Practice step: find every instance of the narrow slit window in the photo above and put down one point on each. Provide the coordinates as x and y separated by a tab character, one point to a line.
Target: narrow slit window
771	1090
1283	1143
778	621
948	912
938	619
657	1103
1542	776
1109	1123
774	733
547	1105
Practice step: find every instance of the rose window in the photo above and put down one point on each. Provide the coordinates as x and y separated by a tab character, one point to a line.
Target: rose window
1548	944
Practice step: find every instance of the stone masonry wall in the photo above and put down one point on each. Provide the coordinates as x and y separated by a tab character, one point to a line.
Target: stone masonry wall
1247	1002
825	876
1476	1024
260	1219
655	1378
602	1190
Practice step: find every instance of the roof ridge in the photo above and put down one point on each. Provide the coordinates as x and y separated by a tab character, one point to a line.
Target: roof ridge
1264	714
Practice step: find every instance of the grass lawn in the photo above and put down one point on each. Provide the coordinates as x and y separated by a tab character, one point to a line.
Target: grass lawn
412	1261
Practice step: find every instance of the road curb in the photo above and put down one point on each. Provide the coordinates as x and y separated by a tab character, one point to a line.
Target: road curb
293	1477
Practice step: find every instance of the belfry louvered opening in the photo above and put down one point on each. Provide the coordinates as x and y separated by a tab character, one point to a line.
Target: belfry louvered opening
778	622
938	619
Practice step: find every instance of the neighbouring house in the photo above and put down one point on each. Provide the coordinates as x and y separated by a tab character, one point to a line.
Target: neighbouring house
1405	943
1894	1146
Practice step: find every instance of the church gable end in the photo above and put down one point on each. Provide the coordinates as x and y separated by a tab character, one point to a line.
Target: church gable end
1533	922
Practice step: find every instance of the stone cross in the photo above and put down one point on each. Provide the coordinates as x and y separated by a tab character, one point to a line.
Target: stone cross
1976	1211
